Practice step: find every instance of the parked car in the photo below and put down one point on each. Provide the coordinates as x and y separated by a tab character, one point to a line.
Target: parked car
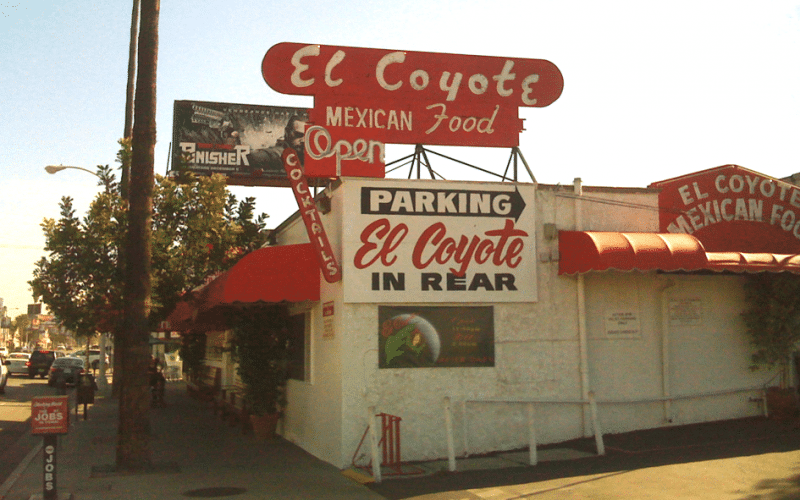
68	367
94	357
3	374
4	351
18	363
40	362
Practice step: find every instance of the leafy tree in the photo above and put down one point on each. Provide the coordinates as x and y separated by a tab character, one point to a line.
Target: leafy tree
20	323
199	230
772	318
80	281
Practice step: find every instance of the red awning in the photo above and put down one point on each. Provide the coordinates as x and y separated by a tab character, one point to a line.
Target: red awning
273	274
753	262
584	251
180	319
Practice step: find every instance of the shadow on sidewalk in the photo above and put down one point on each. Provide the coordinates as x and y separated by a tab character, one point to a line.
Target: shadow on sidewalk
627	452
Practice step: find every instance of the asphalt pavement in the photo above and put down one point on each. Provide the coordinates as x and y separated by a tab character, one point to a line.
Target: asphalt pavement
197	455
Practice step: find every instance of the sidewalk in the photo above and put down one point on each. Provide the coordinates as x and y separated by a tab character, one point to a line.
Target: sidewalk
752	458
195	454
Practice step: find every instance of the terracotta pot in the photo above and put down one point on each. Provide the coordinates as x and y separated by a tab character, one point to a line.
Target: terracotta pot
264	426
782	403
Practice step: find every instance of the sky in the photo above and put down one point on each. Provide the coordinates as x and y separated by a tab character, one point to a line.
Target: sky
652	89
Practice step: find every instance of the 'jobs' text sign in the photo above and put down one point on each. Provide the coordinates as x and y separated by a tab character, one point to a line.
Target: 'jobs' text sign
50	415
436	241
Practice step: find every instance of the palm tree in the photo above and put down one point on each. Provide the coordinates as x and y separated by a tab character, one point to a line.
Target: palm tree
133	442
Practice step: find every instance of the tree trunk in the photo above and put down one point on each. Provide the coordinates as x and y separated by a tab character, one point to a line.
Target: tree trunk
119	338
133	443
128	131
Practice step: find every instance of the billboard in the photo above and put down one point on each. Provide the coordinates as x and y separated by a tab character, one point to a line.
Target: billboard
242	141
438	241
731	208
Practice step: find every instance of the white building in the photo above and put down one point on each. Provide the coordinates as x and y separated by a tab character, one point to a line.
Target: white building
528	293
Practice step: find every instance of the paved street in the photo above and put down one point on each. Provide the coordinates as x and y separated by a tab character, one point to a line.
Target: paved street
15	410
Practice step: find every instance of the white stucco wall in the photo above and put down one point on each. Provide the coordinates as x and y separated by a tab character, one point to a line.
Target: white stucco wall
707	357
313	417
537	351
715	354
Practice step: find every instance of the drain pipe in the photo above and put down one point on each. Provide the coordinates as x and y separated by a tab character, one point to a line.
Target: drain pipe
583	341
665	341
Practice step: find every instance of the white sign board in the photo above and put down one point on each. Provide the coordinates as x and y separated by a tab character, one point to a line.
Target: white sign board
435	241
685	312
622	323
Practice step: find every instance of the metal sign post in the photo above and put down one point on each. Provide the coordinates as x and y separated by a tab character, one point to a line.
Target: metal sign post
49	484
49	418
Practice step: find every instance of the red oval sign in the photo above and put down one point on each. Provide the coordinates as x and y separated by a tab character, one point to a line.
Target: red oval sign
304	69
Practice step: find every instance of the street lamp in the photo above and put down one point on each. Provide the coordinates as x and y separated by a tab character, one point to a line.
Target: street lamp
52	169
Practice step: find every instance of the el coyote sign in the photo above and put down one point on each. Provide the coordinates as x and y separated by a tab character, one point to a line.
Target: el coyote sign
366	97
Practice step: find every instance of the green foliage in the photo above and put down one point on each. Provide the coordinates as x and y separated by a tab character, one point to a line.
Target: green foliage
193	351
20	323
773	319
199	230
260	346
79	281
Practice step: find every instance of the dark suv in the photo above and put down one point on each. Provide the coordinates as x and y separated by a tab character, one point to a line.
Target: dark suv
40	362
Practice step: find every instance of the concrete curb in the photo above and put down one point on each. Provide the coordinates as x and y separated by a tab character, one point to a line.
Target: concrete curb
23	465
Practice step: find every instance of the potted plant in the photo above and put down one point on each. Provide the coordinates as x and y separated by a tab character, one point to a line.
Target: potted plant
773	324
259	344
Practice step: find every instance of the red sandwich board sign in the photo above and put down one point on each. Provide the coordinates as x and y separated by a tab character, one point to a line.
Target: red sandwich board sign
49	418
49	415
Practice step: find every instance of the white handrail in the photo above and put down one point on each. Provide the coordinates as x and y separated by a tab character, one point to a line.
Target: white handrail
591	401
373	445
656	399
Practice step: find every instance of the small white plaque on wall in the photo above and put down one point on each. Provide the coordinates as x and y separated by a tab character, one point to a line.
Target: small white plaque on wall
685	312
328	325
622	323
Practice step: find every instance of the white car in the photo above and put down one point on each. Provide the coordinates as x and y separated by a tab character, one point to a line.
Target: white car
94	357
18	363
4	351
3	374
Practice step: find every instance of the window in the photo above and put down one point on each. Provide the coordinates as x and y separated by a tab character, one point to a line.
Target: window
298	347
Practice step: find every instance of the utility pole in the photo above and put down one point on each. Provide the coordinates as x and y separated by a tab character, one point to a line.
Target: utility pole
133	443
